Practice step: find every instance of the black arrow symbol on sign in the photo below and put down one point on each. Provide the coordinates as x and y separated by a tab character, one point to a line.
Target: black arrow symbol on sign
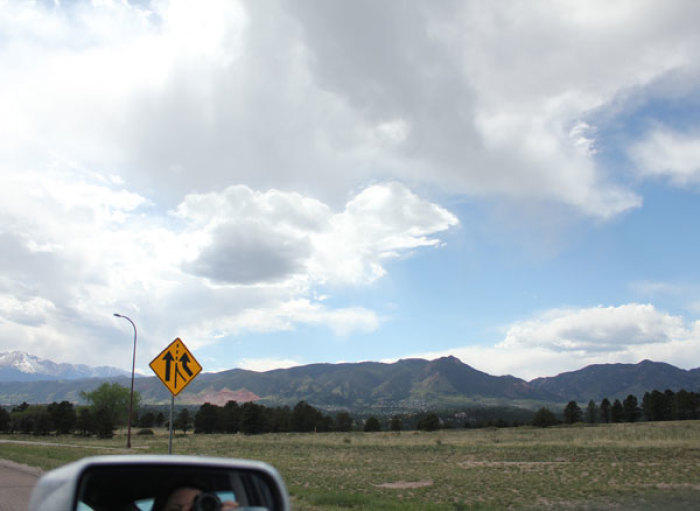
184	359
168	359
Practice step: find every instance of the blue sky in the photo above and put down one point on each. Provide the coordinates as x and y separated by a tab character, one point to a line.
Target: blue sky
512	183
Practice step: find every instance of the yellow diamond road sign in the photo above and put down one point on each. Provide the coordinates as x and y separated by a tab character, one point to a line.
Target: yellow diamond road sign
176	366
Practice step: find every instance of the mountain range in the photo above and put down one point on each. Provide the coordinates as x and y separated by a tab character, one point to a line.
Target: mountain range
21	366
619	380
405	385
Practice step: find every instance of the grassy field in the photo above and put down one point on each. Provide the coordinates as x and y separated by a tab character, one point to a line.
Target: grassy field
621	466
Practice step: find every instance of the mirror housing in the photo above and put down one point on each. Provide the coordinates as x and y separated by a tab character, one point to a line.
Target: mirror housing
117	483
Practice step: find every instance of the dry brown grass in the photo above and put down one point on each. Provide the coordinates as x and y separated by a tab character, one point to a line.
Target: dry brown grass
640	466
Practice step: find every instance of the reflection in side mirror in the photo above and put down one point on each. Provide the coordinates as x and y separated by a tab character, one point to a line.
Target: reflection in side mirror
153	483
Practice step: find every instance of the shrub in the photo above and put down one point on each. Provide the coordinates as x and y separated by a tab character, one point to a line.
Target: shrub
372	424
544	417
429	422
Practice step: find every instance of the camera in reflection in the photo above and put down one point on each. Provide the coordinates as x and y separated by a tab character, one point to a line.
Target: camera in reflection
206	502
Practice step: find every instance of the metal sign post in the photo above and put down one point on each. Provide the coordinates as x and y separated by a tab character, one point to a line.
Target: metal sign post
170	425
176	367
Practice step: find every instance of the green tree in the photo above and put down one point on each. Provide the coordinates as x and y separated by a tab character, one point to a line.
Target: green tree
206	420
429	422
63	417
230	417
4	420
343	422
84	424
592	412
109	406
43	425
572	413
325	424
147	419
183	420
671	411
305	417
252	419
687	404
605	410
616	411
32	419
278	419
103	423
372	424
544	418
630	410
21	408
395	423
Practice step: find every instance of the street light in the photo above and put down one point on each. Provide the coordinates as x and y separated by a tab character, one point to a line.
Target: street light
131	396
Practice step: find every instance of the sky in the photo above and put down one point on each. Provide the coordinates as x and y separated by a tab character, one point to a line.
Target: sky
514	183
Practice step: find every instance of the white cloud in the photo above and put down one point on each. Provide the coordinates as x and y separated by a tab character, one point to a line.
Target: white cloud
266	364
247	237
382	222
599	329
342	321
489	94
250	122
568	339
176	96
666	153
32	312
276	312
78	247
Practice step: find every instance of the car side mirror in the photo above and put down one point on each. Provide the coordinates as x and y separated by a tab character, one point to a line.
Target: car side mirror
145	483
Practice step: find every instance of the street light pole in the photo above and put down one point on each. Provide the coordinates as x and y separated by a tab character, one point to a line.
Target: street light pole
131	396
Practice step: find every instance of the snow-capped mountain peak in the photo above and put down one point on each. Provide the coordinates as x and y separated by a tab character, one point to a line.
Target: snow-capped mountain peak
21	366
21	361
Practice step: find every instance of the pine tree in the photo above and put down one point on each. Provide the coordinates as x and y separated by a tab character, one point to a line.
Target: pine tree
372	424
605	410
343	422
183	420
592	412
616	412
630	409
206	418
63	417
544	417
572	413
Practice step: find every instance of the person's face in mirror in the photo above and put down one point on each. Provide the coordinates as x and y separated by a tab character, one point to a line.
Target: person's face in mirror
181	499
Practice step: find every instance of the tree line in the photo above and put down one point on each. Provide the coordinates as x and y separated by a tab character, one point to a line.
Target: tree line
107	409
655	406
250	418
108	404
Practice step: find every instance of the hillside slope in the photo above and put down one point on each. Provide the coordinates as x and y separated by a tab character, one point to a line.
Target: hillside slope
405	385
618	381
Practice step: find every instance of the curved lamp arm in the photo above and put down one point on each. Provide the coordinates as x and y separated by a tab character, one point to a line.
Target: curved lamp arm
131	395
